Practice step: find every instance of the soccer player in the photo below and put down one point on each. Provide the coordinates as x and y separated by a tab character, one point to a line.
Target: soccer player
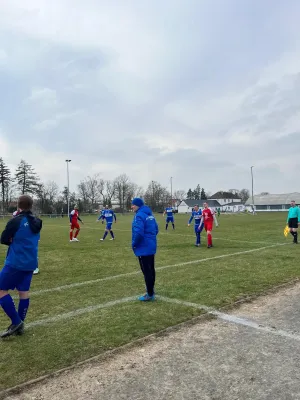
144	244
170	216
74	218
196	215
109	216
101	216
21	235
293	220
208	217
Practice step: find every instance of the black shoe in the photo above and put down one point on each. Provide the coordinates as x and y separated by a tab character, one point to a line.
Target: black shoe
14	330
209	246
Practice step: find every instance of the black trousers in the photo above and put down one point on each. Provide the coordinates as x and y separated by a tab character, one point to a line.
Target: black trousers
147	264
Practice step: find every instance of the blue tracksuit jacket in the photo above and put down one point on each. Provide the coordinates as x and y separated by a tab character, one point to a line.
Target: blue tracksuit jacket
144	232
22	235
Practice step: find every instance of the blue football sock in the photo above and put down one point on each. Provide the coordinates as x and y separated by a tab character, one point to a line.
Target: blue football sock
198	238
105	234
112	234
167	226
23	308
9	308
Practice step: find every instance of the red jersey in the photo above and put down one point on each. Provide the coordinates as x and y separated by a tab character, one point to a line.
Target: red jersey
208	215
74	216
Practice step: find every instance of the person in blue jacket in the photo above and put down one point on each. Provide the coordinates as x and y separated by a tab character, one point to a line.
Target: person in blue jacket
144	244
21	235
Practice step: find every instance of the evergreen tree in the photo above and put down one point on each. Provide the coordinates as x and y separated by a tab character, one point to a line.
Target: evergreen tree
5	179
203	194
197	192
26	178
189	194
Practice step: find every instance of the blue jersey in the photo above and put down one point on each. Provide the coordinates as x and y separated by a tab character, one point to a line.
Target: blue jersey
109	216
196	215
169	211
22	235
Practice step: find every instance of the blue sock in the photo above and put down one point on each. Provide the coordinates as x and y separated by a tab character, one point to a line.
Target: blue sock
198	238
105	234
167	226
112	234
23	308
9	308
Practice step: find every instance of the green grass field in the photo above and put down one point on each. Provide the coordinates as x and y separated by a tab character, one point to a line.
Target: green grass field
216	277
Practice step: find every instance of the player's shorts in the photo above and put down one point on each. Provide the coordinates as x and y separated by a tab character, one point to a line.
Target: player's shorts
293	223
170	219
75	225
12	278
197	228
208	225
108	226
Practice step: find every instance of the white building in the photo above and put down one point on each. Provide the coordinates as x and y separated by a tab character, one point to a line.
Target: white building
273	202
227	199
186	206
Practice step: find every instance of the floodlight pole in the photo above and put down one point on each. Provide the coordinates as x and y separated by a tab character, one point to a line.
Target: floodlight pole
252	186
68	180
171	191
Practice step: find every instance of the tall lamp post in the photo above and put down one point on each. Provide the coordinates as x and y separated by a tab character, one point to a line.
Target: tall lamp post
68	180
171	192
252	187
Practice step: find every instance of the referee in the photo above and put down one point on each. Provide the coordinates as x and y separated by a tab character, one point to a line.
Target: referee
293	220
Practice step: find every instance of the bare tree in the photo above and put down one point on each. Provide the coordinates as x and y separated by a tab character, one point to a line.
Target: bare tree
83	194
157	196
244	195
180	195
92	187
124	190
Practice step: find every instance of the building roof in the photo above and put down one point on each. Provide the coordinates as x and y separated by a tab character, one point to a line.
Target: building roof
234	203
192	203
270	199
224	195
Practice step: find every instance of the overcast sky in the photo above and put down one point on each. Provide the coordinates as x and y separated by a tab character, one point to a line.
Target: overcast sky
198	90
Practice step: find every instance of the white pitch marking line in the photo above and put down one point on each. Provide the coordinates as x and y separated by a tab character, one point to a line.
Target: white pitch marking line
79	311
234	319
112	277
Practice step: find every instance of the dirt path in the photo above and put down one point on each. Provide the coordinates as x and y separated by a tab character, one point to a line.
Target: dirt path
213	360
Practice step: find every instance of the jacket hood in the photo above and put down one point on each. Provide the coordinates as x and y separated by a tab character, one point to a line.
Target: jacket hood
35	224
145	209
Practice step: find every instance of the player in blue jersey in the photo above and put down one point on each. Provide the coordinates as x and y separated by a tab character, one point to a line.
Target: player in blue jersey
101	216
197	215
109	217
170	216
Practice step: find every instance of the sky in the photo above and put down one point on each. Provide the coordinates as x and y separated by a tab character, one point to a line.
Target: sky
196	90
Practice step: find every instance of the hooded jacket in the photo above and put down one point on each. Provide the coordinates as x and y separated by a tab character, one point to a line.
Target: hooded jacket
144	232
22	235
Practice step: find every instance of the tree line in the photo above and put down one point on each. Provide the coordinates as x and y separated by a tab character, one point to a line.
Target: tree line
91	192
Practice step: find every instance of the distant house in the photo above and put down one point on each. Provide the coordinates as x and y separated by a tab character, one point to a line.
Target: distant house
273	202
226	198
186	206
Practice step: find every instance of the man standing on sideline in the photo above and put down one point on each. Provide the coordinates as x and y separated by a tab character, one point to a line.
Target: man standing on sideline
293	220
21	235
196	215
144	244
170	217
